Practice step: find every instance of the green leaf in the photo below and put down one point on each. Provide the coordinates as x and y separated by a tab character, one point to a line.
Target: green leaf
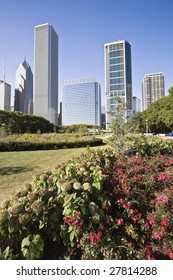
72	235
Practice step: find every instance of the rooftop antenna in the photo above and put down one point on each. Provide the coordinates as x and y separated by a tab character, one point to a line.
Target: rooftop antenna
4	69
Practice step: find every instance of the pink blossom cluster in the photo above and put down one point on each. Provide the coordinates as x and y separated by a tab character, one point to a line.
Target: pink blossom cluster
75	222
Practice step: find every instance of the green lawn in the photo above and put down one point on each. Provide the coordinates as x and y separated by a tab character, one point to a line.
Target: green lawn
17	168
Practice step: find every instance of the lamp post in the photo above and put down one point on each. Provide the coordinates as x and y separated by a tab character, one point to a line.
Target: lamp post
146	126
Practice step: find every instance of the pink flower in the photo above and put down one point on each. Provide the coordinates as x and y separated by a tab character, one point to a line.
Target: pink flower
95	238
164	177
151	220
119	171
165	223
101	225
170	255
163	199
120	222
158	235
129	244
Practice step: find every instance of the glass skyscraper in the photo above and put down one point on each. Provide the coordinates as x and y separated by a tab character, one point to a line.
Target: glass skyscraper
46	72
24	89
81	102
118	77
152	88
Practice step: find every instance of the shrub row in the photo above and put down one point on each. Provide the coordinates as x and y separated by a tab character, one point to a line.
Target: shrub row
97	206
31	146
18	122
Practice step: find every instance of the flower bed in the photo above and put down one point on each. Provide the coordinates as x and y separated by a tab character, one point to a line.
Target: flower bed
98	206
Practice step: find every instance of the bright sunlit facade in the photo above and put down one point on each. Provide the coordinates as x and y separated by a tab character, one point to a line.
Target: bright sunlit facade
23	101
46	72
5	96
152	88
81	102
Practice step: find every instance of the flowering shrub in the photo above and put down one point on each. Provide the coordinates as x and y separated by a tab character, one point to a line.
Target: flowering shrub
98	206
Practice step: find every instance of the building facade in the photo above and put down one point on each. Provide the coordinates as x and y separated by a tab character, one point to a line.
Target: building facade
5	96
136	104
24	89
152	88
118	77
46	72
81	102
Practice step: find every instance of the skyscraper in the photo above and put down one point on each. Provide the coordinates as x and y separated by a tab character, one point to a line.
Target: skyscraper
46	72
81	102
136	104
5	96
24	89
152	88
118	77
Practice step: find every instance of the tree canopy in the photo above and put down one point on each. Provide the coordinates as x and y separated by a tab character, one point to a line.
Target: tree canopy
159	115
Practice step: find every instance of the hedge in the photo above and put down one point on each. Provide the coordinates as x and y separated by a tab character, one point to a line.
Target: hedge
30	146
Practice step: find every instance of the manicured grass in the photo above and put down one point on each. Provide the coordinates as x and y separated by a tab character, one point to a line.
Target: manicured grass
17	168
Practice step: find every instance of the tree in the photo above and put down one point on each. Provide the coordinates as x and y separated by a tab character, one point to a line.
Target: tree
170	90
121	129
159	115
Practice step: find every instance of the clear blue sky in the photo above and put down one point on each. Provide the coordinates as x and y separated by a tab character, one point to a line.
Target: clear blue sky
83	27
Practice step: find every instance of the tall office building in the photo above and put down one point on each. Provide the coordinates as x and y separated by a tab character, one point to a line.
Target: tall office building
118	77
136	104
5	96
24	89
81	102
46	72
152	88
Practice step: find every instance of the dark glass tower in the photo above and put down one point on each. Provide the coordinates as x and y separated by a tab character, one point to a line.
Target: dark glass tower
118	77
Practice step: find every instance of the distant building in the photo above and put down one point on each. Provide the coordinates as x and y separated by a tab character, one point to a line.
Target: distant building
152	88
23	100
118	77
5	96
81	102
46	72
136	104
103	117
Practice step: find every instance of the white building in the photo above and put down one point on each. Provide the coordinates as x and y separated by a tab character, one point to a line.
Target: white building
24	89
5	96
46	72
152	88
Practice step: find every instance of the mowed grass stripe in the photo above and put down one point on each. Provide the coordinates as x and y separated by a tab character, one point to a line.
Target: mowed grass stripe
18	168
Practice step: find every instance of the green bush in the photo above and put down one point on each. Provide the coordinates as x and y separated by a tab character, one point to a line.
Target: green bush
151	145
18	122
97	206
32	146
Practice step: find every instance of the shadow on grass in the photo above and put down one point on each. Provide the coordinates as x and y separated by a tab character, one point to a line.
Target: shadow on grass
14	170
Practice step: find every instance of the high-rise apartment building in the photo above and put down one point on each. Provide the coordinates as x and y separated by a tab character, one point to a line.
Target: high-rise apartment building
24	89
46	72
81	102
152	88
5	96
118	77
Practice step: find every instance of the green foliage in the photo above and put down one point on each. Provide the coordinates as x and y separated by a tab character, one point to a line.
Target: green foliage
31	142
32	247
122	131
18	122
150	145
159	115
97	206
